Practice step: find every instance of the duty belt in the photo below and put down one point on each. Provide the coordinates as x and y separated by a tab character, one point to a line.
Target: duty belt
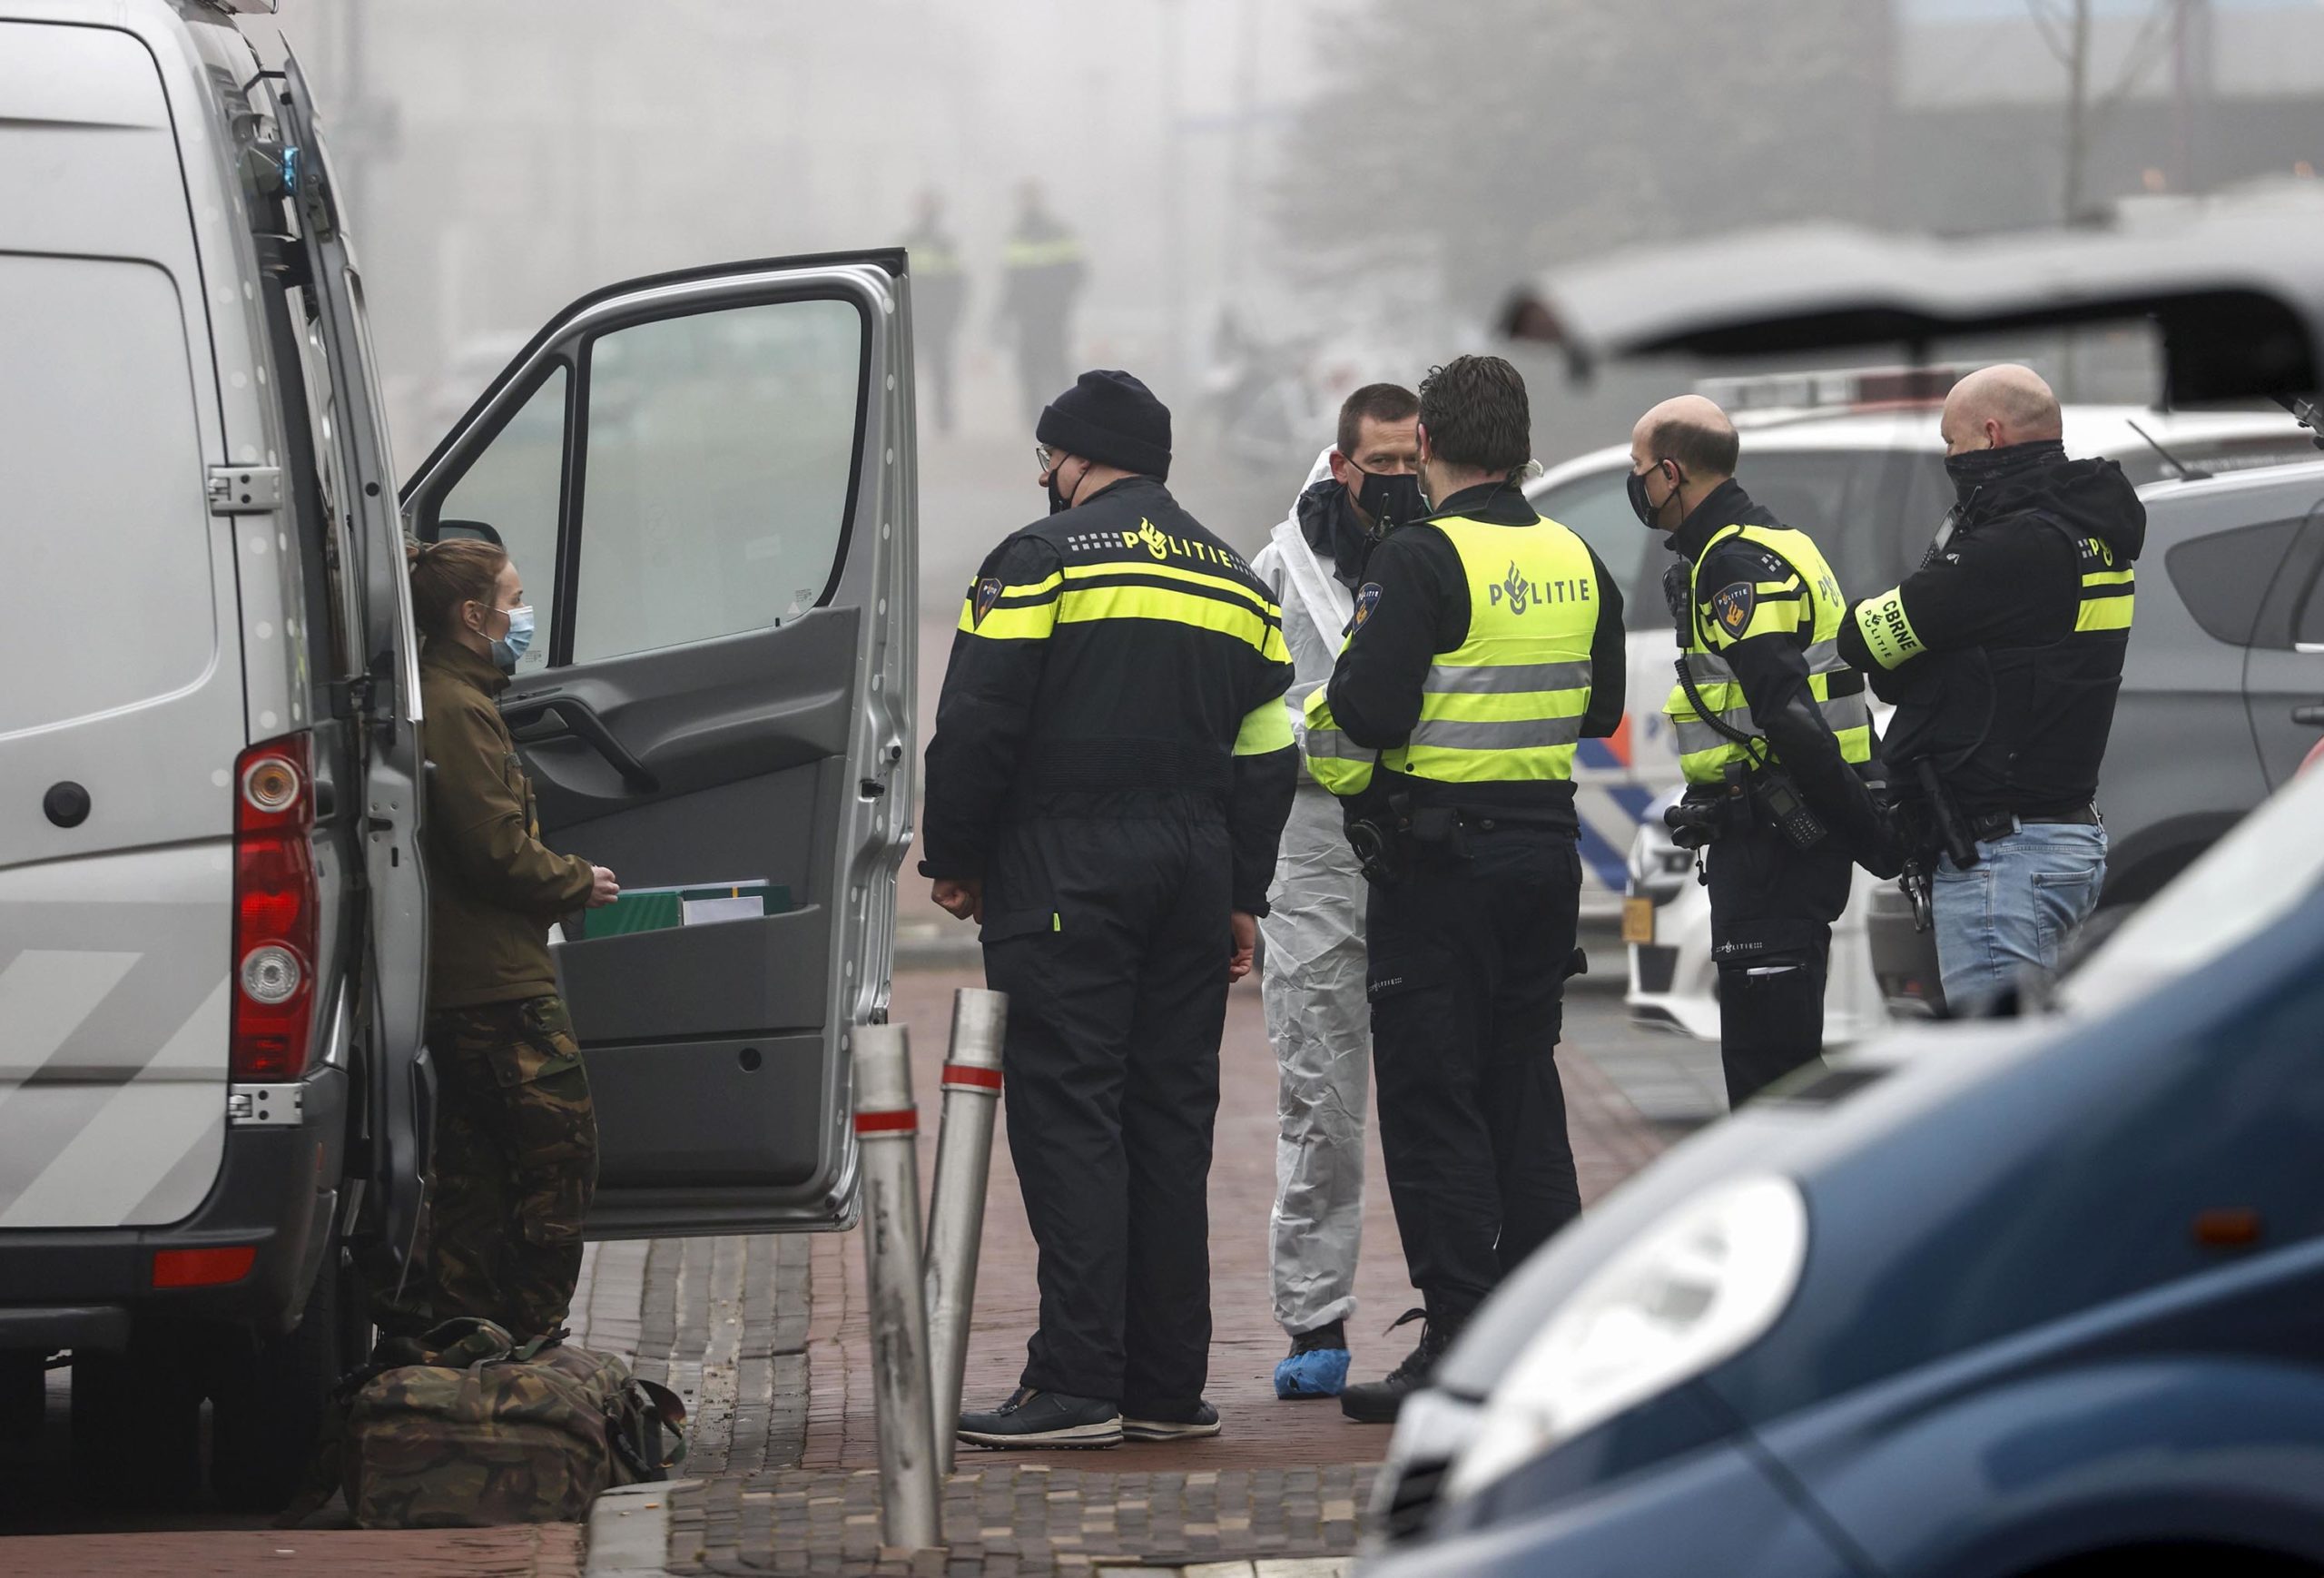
1993	824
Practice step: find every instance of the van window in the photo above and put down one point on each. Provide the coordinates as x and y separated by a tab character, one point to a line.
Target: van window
102	469
720	455
513	488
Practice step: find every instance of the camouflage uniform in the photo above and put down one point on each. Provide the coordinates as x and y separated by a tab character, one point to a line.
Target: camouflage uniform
515	1158
514	1165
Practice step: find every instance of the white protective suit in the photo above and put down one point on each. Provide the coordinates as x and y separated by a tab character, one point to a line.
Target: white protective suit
1314	976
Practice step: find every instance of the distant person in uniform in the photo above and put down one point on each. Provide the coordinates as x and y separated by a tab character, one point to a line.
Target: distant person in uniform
515	1146
939	291
1044	272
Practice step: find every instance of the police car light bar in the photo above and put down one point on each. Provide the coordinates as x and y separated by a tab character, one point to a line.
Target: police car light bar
1848	385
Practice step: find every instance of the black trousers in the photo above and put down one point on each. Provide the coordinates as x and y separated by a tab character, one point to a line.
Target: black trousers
1468	961
1110	936
1772	905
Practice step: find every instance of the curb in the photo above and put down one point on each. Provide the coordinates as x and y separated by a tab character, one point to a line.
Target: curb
629	1531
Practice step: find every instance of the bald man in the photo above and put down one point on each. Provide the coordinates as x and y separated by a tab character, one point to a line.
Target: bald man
2003	654
1771	727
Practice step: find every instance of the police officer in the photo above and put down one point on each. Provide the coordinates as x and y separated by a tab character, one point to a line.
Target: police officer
1485	641
515	1146
1043	271
1771	726
2003	654
1111	767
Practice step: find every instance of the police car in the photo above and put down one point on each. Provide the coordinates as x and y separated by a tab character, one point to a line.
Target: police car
1853	457
214	1095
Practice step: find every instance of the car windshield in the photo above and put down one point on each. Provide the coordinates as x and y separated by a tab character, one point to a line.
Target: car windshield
2249	882
1871	511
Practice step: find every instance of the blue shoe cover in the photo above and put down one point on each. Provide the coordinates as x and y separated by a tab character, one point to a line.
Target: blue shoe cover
1320	1373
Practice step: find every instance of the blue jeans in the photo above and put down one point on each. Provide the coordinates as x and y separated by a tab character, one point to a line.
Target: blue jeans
2016	908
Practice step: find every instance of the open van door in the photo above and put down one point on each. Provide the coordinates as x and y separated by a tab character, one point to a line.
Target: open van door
705	480
398	1091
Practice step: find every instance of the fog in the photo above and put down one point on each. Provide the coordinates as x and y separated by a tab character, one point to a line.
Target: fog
1353	185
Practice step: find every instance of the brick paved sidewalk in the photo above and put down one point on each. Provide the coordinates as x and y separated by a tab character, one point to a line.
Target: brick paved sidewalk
1283	1480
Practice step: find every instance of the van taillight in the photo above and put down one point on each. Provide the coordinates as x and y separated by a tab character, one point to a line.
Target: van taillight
275	900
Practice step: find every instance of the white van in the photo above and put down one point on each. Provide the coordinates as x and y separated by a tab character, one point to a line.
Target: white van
213	1095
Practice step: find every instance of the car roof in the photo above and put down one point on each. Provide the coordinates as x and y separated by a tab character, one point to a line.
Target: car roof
2089	430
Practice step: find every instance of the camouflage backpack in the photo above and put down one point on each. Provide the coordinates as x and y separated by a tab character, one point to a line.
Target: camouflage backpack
466	1428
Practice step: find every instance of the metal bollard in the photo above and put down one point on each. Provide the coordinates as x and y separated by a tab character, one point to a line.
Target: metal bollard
956	1199
887	1127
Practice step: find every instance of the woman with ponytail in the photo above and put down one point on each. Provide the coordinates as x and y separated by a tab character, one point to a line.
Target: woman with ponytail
516	1155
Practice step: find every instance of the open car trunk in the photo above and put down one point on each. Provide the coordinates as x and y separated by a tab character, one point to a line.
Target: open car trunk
2235	285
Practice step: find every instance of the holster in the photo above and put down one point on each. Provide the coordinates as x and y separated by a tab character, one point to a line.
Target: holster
1380	834
1928	821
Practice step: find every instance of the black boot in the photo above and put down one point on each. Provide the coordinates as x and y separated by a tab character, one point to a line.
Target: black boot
1378	1402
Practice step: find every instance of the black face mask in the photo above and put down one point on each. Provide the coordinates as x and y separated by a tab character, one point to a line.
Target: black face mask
1973	469
1646	511
1058	502
1391	500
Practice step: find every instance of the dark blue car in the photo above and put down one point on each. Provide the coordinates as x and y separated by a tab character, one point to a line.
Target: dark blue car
1979	1300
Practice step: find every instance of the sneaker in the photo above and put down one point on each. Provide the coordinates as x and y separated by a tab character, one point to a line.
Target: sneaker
1317	1364
1202	1421
1379	1402
1031	1418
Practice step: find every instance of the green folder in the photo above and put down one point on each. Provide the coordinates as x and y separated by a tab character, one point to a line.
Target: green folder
695	904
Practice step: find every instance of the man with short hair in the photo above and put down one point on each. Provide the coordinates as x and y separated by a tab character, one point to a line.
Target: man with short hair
1110	768
2004	653
1485	643
1313	968
1771	726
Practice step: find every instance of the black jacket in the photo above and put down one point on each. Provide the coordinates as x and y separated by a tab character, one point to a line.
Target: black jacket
1422	608
1074	687
1772	668
2011	703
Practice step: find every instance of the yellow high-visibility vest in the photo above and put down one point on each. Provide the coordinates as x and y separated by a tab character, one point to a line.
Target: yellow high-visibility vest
1809	598
1506	704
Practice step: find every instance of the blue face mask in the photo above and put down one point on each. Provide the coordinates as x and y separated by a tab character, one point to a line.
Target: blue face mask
506	649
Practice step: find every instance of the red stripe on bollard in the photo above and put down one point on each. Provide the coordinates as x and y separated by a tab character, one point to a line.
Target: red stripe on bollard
905	1120
970	1077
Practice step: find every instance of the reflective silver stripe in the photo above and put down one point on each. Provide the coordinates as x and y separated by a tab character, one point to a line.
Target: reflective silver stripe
1708	668
1824	657
1445	679
1506	735
1846	712
1736	718
1331	746
1841	713
1695	736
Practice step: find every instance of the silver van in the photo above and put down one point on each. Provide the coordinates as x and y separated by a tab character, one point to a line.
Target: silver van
214	1101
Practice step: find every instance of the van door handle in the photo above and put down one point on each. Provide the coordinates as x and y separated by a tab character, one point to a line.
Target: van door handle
578	720
2309	716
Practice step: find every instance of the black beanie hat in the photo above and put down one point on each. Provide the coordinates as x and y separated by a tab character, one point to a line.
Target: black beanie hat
1112	418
